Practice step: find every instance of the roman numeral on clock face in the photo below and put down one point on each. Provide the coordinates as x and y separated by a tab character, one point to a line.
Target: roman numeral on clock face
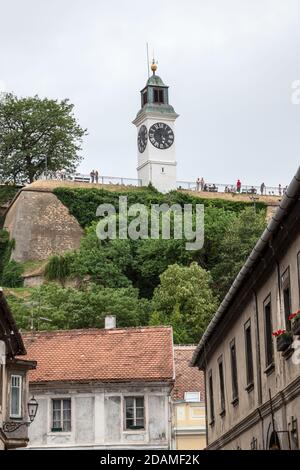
161	135
142	138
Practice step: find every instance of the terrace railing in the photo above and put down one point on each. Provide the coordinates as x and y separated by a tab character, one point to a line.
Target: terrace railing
229	188
181	184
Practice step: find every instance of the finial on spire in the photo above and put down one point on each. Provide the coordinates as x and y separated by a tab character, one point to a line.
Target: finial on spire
153	66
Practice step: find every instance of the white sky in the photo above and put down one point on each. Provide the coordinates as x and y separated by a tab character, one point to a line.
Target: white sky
230	65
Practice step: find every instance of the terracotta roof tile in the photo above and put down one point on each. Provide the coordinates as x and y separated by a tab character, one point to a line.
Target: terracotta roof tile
130	354
188	379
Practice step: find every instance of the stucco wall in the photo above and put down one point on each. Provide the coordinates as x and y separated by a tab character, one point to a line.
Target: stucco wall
191	442
41	226
282	380
98	417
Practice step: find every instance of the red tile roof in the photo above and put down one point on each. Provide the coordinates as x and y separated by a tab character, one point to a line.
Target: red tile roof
188	379
116	355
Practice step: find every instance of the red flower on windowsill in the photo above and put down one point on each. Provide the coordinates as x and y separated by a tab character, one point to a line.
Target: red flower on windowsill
294	316
280	333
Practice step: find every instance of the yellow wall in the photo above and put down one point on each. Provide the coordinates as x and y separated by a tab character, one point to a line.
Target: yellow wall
189	425
190	442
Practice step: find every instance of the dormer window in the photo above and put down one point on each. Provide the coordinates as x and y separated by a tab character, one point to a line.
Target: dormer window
158	95
192	396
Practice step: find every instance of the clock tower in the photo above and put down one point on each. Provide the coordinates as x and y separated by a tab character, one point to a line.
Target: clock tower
155	135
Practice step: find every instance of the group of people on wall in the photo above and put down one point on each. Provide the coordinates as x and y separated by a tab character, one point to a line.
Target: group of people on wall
94	175
201	185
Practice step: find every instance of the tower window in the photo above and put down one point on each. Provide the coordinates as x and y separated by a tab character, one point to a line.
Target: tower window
158	95
144	98
162	169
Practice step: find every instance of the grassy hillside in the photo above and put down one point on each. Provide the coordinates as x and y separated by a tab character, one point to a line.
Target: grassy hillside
83	203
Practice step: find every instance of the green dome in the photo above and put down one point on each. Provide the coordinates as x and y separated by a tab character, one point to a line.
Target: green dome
155	80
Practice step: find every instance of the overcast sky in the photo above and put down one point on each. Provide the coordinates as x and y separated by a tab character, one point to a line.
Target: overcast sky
230	65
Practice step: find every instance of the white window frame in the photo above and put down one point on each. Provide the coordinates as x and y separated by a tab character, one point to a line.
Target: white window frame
134	397
61	414
189	399
20	386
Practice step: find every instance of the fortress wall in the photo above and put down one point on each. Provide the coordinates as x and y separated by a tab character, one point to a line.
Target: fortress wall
41	226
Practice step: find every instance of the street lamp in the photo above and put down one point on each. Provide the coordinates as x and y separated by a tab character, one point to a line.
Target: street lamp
32	407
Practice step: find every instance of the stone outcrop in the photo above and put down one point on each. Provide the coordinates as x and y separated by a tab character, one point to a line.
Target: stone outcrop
40	225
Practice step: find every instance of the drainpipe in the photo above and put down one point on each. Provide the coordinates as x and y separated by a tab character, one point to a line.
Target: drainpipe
258	370
170	423
206	408
262	428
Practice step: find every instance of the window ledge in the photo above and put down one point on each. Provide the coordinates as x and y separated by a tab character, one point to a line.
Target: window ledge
235	401
134	431
288	352
269	369
250	387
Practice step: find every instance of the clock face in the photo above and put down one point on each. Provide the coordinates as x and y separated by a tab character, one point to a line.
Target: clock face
161	135
142	138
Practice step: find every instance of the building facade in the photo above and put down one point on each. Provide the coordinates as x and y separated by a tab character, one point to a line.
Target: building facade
188	403
102	388
13	382
156	136
252	377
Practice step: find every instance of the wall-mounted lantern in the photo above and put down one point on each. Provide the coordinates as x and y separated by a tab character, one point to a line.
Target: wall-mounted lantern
32	407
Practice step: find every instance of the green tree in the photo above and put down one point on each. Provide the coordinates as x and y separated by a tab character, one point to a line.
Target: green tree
107	262
152	257
235	247
185	300
12	274
67	308
33	131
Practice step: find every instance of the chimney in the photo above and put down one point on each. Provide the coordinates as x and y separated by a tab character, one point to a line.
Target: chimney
110	322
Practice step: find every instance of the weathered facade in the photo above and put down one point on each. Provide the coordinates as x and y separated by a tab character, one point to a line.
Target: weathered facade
188	403
100	389
13	382
252	381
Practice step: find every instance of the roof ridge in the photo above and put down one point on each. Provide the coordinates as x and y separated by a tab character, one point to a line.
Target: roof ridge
94	330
